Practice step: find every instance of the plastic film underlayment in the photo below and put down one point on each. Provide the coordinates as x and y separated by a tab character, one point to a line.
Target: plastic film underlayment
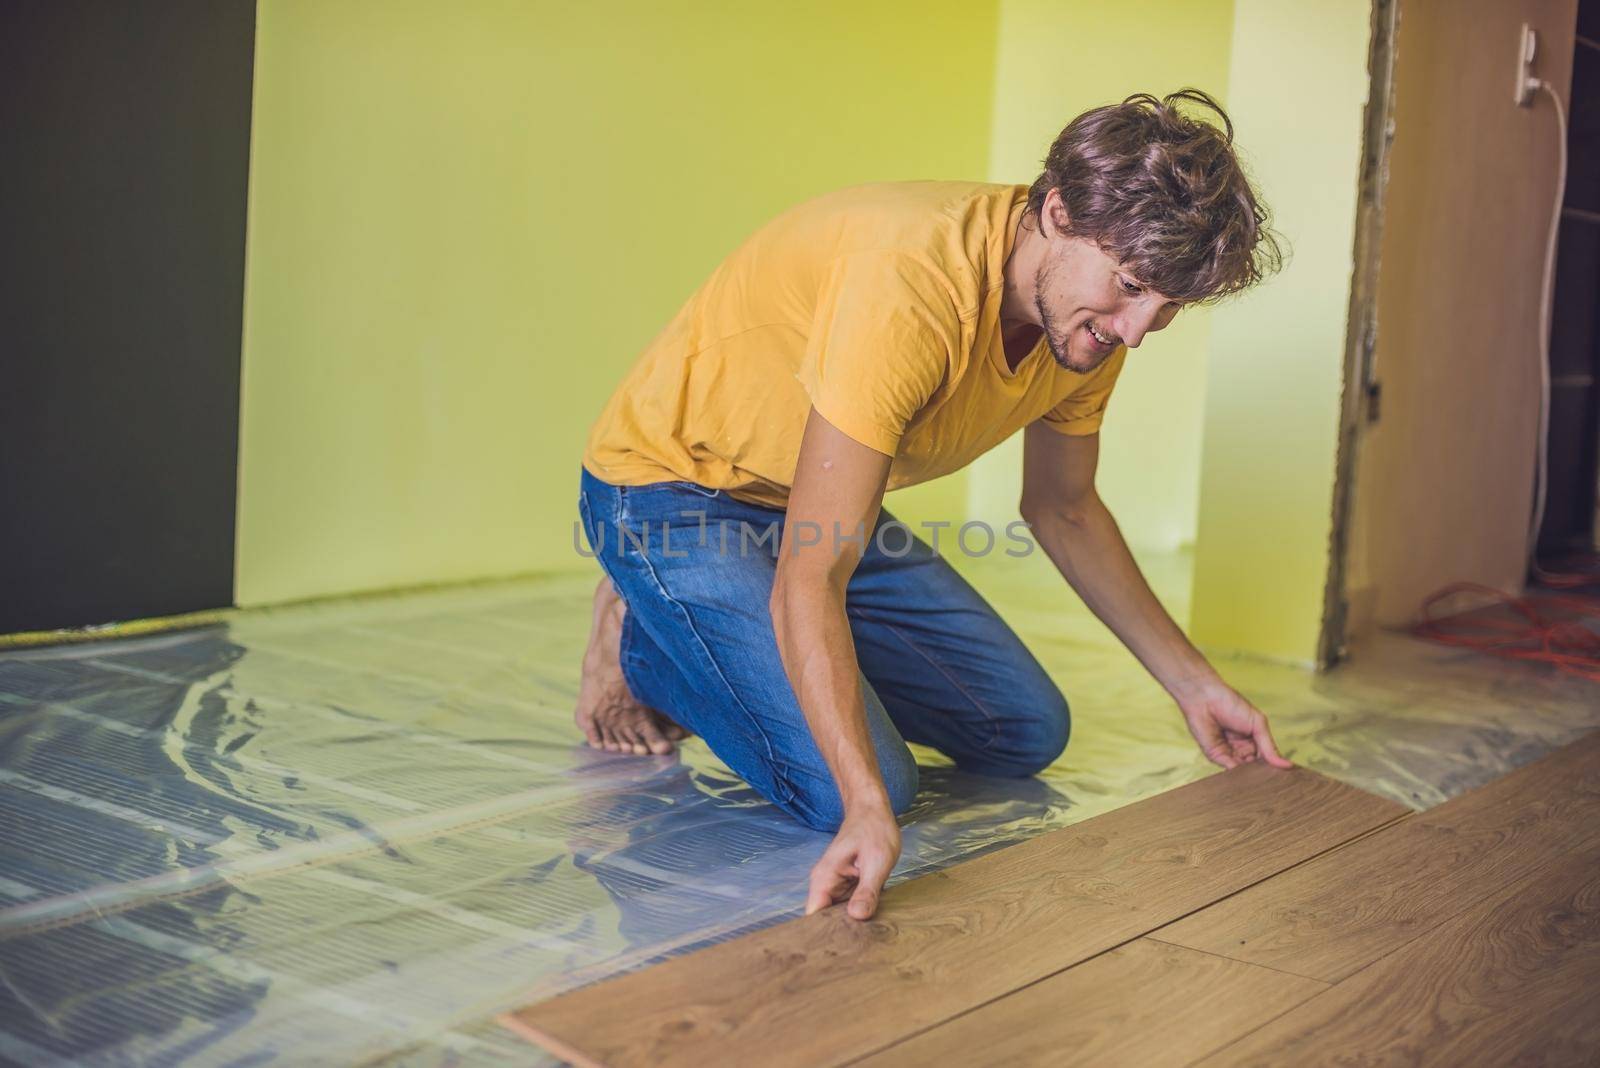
355	831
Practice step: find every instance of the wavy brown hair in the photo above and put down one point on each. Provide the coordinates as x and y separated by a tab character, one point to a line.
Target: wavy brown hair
1163	192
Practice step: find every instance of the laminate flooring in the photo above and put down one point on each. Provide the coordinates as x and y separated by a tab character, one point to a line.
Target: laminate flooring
826	990
1254	917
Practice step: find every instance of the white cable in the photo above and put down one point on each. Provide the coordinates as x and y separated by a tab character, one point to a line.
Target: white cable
1546	300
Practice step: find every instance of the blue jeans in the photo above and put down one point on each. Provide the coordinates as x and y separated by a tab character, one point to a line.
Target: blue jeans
938	666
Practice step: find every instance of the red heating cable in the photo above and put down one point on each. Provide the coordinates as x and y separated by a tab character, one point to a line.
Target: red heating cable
1550	629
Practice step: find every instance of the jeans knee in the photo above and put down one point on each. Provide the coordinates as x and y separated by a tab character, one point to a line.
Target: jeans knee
901	779
1033	742
822	809
1048	735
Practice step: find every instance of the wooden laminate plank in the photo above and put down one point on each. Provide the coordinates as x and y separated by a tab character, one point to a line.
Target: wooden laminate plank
1145	1002
1331	917
1515	979
826	989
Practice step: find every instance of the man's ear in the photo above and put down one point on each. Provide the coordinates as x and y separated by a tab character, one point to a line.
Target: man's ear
1055	214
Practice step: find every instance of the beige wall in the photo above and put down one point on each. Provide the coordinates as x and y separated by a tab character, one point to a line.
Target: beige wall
1444	478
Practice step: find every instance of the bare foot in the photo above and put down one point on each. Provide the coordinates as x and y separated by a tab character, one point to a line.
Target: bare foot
608	713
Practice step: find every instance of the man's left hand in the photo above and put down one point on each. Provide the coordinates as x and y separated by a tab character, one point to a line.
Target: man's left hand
1229	730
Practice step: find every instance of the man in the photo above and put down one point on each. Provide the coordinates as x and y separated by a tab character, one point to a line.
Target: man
874	338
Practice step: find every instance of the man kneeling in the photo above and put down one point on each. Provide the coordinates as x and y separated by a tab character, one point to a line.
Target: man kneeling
756	592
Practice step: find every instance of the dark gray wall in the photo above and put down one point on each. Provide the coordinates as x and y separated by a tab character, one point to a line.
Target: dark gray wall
1575	316
125	137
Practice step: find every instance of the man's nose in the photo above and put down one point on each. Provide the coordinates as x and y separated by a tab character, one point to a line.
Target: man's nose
1133	324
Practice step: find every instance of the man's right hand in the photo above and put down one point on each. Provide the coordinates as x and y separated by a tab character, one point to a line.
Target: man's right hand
833	508
857	863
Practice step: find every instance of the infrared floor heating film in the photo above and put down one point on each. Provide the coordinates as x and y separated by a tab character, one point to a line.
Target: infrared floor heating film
360	829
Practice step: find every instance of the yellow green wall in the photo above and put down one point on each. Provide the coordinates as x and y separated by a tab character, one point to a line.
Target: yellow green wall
1055	60
466	220
1298	83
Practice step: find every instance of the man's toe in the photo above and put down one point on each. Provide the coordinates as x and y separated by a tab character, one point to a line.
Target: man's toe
655	740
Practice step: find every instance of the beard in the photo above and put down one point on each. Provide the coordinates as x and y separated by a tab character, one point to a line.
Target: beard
1057	334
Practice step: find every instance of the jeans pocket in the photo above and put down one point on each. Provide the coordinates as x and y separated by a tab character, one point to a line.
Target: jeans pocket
704	491
664	499
672	487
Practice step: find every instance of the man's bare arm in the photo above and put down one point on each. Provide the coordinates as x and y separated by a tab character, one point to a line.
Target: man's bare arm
1079	534
833	505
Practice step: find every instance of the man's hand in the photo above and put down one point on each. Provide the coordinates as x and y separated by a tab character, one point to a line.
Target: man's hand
857	863
1229	730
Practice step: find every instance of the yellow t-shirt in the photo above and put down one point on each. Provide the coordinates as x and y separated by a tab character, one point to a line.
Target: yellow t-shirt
880	306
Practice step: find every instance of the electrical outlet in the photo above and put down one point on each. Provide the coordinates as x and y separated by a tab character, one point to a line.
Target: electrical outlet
1527	46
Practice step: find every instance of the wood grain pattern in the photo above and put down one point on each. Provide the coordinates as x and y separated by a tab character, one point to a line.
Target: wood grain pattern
1144	1003
1513	980
1338	913
825	989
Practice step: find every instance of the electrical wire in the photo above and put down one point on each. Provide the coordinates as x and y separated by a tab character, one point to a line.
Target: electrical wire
1546	305
1539	636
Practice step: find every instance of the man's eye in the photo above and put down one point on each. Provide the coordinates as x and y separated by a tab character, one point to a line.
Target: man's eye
1129	286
